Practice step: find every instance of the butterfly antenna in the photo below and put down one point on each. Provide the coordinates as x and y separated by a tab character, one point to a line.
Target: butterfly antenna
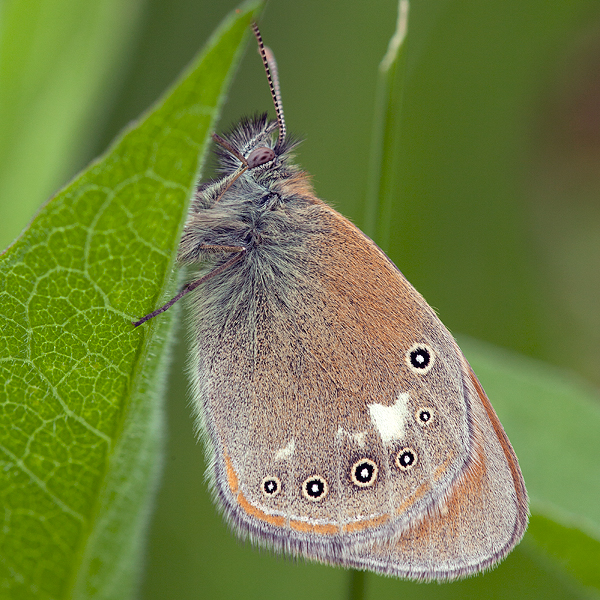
270	65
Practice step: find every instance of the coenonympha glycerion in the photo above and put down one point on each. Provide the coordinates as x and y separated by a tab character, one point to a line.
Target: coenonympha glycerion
341	420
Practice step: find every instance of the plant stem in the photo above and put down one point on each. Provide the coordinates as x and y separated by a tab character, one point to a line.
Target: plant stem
357	585
381	180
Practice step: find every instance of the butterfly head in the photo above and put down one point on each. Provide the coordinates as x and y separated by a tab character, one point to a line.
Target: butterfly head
252	144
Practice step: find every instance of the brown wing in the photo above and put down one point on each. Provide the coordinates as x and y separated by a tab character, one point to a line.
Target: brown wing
305	376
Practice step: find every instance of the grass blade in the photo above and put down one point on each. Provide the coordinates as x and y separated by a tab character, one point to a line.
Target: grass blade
381	182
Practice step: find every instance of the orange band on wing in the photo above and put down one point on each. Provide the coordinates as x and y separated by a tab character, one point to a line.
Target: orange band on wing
442	468
418	493
232	479
463	497
360	525
259	514
313	528
503	439
302	526
509	453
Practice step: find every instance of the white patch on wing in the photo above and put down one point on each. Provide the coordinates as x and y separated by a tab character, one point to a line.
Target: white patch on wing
359	438
389	420
286	452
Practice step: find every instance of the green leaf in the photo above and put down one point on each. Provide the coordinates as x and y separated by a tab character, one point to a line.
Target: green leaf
80	417
567	549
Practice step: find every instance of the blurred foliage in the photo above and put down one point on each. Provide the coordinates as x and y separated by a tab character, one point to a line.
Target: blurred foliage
497	220
61	64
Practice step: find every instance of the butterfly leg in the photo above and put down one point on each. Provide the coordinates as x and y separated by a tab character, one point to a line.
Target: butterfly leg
240	251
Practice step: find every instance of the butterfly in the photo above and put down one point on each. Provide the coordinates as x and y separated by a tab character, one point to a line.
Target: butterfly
341	420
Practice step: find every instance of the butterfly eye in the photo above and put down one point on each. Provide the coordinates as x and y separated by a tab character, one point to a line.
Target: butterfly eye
406	459
424	415
315	488
364	472
419	358
270	486
260	156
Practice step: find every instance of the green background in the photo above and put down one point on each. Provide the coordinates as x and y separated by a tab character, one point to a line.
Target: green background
497	220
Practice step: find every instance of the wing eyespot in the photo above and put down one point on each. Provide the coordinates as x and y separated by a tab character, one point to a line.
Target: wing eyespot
424	416
270	486
406	459
420	358
363	473
315	488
